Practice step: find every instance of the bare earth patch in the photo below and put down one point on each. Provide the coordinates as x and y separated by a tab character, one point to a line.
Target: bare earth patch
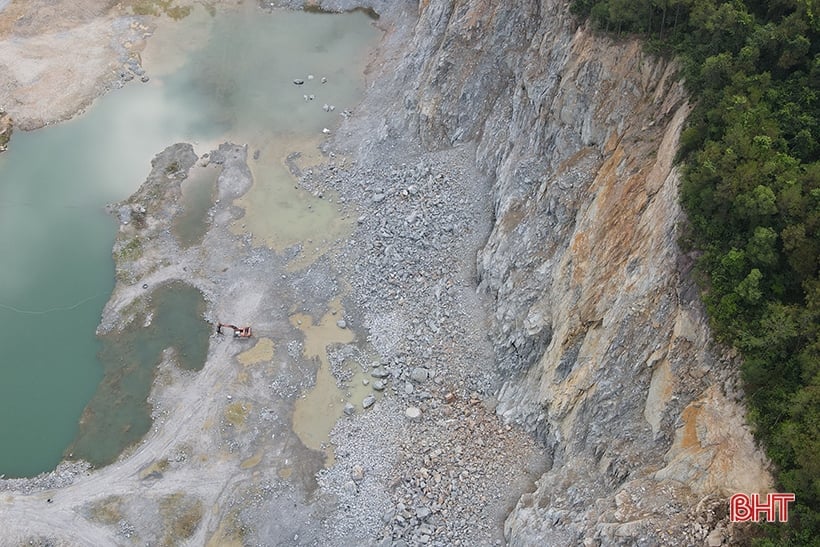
56	57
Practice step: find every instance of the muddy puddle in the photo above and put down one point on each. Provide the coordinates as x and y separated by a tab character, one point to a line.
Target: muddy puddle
316	412
198	194
283	216
261	352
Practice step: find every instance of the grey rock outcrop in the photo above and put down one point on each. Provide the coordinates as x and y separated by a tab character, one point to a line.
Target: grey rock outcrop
603	345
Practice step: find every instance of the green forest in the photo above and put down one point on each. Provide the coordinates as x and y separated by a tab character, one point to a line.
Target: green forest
751	189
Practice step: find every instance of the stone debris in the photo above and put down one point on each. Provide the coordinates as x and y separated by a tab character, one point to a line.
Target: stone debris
414	301
357	474
380	372
413	412
451	454
419	374
419	222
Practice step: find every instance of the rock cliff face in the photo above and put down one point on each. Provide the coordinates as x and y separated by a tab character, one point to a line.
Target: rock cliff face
602	342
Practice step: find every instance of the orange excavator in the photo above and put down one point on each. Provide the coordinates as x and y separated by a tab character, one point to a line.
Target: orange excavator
238	332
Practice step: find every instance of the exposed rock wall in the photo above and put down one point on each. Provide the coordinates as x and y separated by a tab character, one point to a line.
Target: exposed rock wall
603	344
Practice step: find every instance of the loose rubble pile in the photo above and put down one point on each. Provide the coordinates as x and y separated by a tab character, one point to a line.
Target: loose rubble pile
430	463
410	263
65	474
446	476
455	480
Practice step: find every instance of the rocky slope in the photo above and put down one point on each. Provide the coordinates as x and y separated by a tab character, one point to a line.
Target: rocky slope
602	342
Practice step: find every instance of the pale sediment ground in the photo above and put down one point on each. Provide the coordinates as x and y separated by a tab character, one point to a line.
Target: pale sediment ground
56	57
429	462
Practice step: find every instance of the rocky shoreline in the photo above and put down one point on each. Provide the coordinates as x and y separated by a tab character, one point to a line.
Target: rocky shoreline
56	58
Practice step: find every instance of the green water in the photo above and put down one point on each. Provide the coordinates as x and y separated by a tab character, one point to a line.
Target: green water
118	414
198	192
56	272
213	79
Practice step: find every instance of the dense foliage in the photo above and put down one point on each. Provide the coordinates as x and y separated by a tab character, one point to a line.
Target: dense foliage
751	188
